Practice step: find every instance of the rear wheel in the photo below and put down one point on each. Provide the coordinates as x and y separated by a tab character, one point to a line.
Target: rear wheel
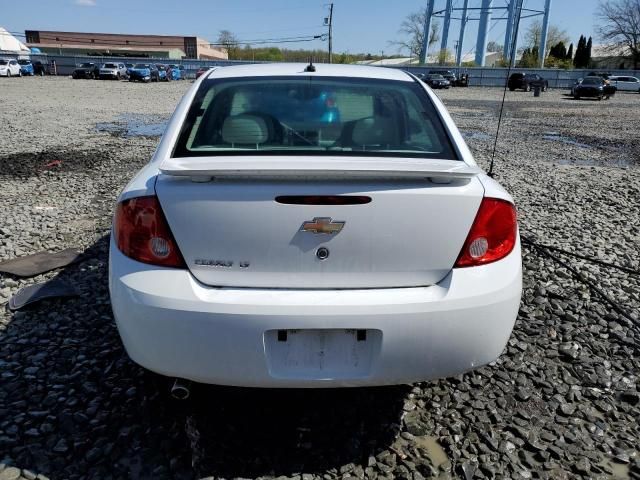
576	96
527	88
19	73
8	73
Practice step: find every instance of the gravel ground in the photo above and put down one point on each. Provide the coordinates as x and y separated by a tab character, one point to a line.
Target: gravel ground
561	402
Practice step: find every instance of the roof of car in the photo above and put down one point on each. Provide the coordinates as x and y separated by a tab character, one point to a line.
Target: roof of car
322	70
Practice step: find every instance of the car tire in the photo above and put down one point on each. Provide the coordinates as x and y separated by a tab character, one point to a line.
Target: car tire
19	73
511	89
8	73
527	88
576	96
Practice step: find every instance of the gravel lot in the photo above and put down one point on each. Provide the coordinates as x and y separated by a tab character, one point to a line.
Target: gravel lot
561	402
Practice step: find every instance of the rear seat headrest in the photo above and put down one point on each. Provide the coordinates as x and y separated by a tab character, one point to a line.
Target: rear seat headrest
374	131
245	129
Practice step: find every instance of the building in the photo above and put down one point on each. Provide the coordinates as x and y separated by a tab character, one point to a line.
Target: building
611	57
10	44
124	45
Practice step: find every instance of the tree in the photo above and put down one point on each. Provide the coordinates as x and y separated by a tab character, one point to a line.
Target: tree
230	42
529	58
579	58
587	55
558	51
569	55
412	27
621	25
494	47
555	35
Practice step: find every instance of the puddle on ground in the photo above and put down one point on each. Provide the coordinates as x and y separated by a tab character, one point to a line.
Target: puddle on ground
557	137
434	450
134	125
474	135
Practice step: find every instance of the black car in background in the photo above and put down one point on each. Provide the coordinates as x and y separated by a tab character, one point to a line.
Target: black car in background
526	81
593	87
87	70
435	80
448	74
39	68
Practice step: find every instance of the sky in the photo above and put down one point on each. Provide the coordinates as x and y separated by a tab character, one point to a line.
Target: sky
359	26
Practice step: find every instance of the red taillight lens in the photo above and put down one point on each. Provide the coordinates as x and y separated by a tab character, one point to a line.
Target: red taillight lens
492	235
142	233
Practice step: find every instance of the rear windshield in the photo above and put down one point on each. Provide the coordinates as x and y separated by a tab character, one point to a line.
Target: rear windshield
592	81
313	116
140	65
86	65
24	62
110	65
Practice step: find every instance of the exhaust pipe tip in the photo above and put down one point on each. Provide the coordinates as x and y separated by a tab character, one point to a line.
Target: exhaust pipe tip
181	389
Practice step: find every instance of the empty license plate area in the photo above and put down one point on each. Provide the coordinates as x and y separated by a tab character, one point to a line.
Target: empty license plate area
318	354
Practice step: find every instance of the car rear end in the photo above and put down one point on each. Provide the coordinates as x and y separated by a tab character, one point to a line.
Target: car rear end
313	229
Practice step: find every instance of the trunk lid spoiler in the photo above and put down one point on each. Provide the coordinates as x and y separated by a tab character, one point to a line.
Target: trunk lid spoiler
320	166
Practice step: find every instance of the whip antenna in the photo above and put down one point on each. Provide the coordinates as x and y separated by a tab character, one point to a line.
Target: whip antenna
514	43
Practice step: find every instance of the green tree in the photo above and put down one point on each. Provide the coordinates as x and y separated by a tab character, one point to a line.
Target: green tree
578	59
569	55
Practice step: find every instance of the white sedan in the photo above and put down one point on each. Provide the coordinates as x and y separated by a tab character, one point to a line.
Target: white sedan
9	68
313	226
628	84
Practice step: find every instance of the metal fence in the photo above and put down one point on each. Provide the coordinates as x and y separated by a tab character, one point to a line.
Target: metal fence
497	77
478	76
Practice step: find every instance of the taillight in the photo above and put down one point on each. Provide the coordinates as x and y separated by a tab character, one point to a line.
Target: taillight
142	233
492	235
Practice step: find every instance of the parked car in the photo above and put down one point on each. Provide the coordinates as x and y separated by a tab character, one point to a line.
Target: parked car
26	67
144	72
202	71
162	73
592	87
399	262
448	74
526	81
9	68
87	70
435	80
39	68
624	83
175	72
113	71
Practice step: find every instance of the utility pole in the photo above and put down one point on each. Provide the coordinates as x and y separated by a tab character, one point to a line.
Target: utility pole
331	33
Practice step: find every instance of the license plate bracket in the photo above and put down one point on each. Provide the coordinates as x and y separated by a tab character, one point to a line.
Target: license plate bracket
321	354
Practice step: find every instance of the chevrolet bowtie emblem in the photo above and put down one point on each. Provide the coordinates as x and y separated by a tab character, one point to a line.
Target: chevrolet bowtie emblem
322	225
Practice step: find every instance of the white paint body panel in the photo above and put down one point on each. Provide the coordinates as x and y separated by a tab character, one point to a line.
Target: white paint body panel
218	327
172	324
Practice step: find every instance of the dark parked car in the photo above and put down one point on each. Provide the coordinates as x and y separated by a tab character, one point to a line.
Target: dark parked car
527	81
39	68
593	87
435	80
448	74
144	72
87	70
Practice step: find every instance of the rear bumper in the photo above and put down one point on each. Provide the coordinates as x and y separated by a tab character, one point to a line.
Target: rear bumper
175	326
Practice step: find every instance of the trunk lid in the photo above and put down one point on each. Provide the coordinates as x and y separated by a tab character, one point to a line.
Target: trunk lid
232	231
